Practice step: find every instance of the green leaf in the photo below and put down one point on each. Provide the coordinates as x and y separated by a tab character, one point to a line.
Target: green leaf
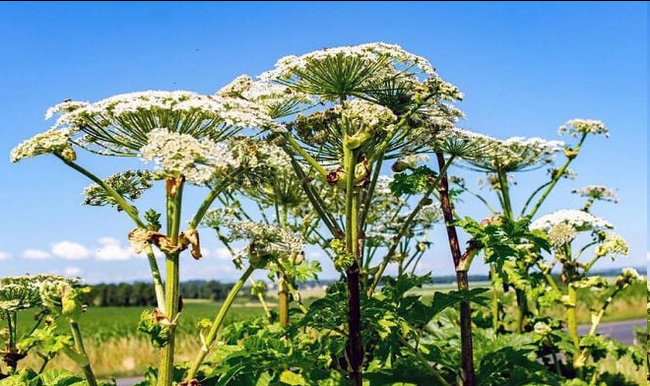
289	378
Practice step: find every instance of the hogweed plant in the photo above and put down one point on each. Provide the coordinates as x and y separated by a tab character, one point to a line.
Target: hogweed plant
349	151
184	134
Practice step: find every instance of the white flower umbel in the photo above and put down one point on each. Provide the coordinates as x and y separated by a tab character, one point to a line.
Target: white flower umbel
612	245
518	154
577	127
597	192
578	219
51	141
279	100
266	240
183	155
370	52
22	292
119	125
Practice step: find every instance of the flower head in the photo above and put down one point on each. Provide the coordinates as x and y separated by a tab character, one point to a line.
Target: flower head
265	241
52	141
597	192
183	155
562	234
577	127
612	245
577	219
119	125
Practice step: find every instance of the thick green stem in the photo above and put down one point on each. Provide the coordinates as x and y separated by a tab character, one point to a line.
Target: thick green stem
405	226
505	193
172	283
355	346
283	301
216	324
81	350
571	316
522	309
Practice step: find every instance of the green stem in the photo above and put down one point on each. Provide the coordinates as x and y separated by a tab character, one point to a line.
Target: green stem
315	164
121	202
172	283
81	349
407	224
355	348
265	306
556	178
571	316
209	199
133	214
283	301
432	370
505	192
216	324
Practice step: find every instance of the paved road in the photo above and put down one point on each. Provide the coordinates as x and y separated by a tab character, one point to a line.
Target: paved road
621	331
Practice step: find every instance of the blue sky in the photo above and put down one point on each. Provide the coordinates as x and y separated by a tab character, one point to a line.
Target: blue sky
525	69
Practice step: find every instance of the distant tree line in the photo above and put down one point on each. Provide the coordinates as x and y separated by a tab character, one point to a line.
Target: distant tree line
142	294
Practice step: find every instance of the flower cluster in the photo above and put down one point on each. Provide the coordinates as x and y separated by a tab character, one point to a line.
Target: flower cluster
22	292
578	127
361	115
129	184
119	125
63	296
612	245
279	100
578	219
370	52
181	154
52	141
597	192
265	241
562	234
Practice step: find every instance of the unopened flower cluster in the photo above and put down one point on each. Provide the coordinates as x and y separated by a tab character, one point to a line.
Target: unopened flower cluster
22	292
183	155
129	184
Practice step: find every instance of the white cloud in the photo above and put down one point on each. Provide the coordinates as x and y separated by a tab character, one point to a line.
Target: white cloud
223	254
68	250
111	249
72	271
4	255
35	254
